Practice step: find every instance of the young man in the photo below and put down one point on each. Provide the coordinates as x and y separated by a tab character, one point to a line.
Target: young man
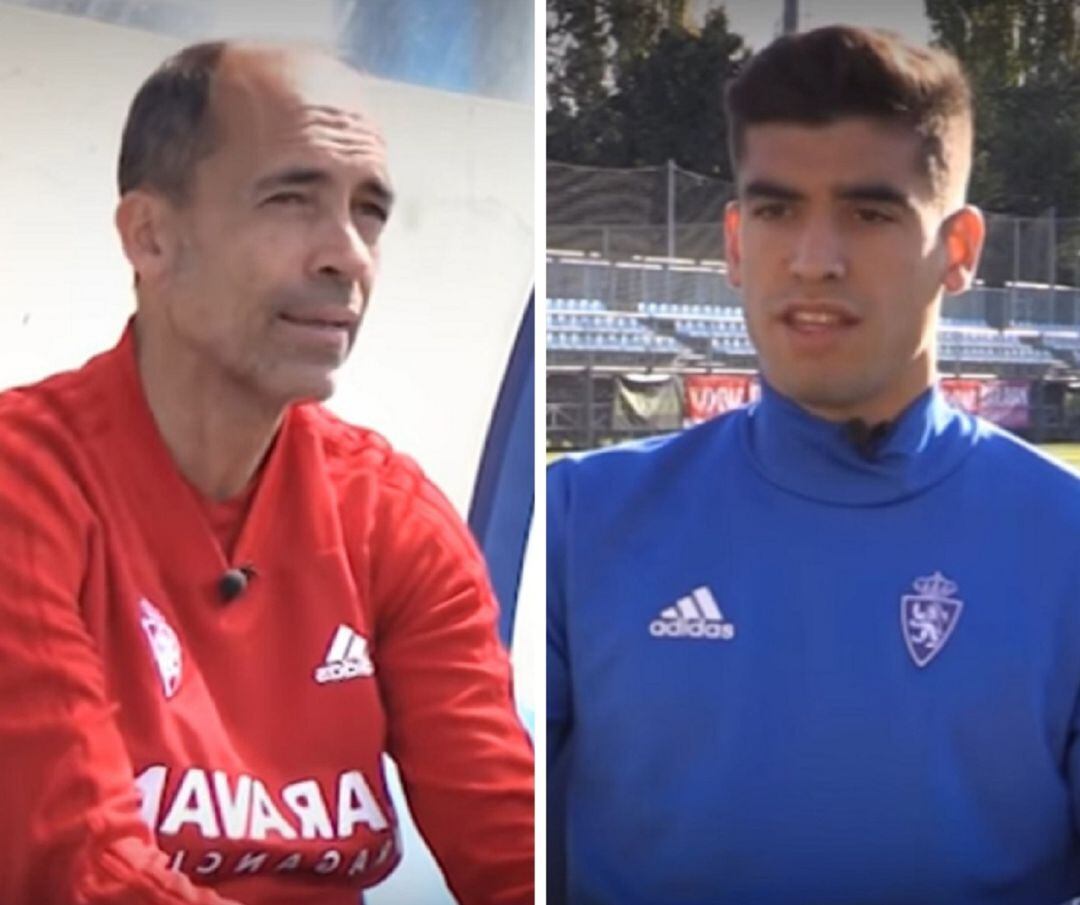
219	605
825	649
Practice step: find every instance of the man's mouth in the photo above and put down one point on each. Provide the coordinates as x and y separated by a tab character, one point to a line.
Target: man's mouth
343	321
813	319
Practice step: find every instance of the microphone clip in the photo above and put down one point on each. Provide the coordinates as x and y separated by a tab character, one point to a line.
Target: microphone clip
235	581
866	438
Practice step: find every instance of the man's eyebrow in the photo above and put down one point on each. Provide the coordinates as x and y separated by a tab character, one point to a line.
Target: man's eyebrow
879	192
304	176
292	176
763	188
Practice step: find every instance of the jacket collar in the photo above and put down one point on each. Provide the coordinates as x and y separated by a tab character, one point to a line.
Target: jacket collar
815	458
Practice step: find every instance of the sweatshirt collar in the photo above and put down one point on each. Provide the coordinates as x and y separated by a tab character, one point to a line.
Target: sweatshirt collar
815	458
168	507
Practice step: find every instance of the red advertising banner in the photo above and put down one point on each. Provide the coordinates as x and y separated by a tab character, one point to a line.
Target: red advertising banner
708	395
1007	402
963	393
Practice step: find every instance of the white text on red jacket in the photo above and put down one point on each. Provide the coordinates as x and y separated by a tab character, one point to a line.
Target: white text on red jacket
242	809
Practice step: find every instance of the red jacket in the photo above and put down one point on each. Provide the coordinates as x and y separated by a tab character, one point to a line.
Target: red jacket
151	733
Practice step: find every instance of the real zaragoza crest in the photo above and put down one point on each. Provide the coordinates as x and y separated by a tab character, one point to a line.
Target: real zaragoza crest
928	617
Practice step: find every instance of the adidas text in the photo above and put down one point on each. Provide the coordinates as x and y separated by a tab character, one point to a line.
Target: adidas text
694	616
335	672
699	628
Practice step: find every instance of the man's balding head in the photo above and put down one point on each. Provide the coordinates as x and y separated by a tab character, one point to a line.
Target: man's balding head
176	118
254	192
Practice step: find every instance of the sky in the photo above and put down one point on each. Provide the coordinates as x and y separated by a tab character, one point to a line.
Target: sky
758	21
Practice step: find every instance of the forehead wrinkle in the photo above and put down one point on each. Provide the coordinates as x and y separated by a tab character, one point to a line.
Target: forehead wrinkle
328	142
275	115
352	135
300	152
282	94
333	115
330	126
339	121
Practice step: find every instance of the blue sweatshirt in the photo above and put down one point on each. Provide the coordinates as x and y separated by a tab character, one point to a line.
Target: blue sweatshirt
780	672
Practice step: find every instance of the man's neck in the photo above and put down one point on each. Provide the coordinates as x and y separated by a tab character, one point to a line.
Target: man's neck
871	415
885	407
217	435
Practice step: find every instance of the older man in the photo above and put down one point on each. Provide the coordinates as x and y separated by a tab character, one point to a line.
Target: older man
219	605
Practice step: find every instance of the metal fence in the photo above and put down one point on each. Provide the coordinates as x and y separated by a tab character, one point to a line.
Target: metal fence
630	285
635	238
666	221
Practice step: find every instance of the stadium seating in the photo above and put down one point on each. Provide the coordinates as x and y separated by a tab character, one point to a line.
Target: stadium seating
585	325
712	332
959	341
1064	346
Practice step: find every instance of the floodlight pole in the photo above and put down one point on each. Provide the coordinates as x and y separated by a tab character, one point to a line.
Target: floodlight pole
791	16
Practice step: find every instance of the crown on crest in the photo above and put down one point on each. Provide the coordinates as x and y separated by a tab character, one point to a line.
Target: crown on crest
935	586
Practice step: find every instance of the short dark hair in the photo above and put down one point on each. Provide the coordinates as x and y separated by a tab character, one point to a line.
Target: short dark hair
169	127
839	71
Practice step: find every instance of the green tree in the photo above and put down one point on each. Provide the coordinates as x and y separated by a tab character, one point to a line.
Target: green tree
577	62
670	101
631	83
1023	59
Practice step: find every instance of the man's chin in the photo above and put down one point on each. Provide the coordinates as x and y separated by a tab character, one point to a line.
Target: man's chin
313	385
318	393
830	397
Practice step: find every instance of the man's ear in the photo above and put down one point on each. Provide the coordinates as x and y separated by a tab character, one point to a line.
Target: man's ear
963	233
732	249
146	222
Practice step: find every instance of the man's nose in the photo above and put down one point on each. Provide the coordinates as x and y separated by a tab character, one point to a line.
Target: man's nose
819	252
342	253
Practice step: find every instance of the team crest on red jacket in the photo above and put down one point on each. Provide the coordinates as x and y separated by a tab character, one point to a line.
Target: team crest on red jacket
164	646
929	616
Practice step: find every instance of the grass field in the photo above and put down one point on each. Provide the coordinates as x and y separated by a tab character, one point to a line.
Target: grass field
1069	453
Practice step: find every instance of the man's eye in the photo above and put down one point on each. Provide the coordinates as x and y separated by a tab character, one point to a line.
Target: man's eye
371	209
287	198
772	210
873	215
